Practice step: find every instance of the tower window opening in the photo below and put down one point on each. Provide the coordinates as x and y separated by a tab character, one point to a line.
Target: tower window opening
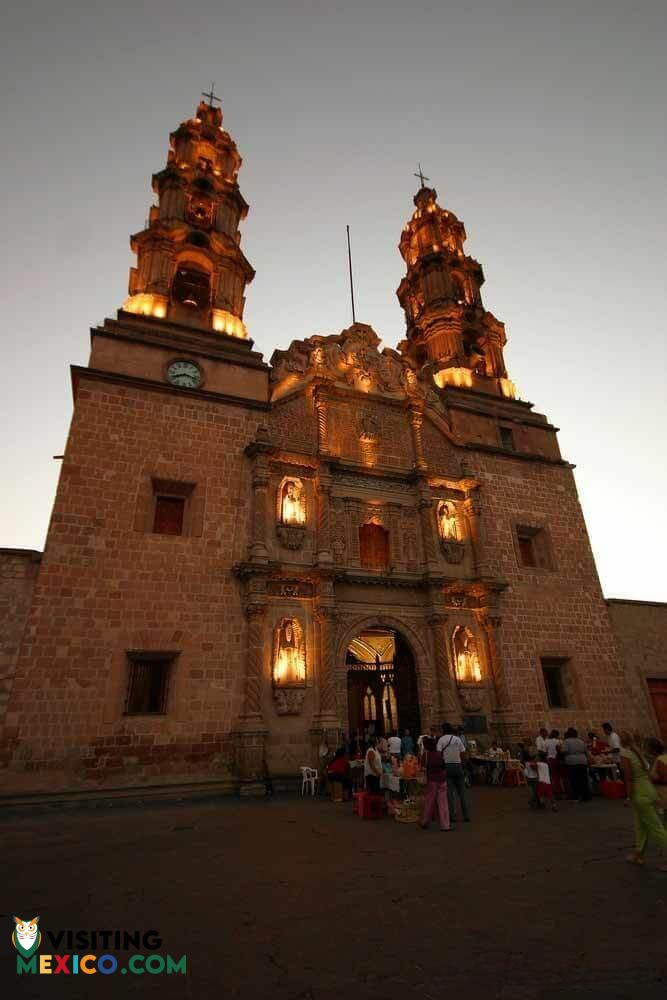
507	438
190	287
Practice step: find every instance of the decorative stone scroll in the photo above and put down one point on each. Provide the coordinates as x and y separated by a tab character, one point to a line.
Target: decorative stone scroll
291	536
289	701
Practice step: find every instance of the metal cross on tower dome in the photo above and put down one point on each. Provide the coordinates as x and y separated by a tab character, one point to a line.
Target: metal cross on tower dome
421	175
211	96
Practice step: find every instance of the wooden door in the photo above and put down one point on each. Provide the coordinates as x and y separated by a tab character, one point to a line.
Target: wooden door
657	688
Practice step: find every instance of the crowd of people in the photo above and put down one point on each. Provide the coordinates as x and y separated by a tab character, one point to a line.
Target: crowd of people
555	768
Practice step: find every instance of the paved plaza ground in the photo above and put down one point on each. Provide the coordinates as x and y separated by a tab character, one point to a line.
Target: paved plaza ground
299	900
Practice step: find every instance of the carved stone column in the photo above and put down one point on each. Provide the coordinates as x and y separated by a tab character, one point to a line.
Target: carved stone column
250	733
428	530
393	524
324	553
504	724
322	425
326	724
450	708
260	484
416	422
353	518
472	507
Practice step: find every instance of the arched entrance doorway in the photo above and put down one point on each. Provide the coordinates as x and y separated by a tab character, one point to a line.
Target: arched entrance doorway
382	693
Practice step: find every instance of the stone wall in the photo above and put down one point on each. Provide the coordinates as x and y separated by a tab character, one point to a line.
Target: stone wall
641	632
108	585
18	572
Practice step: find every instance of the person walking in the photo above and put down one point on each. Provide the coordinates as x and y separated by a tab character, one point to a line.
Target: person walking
454	757
435	797
576	760
644	799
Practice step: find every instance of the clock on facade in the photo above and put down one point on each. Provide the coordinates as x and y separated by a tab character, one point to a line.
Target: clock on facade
185	374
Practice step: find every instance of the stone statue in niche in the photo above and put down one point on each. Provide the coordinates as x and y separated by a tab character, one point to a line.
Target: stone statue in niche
467	668
291	502
447	522
290	526
453	548
289	662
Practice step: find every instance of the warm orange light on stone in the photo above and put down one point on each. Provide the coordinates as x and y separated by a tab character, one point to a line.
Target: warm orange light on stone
508	388
460	377
146	304
225	322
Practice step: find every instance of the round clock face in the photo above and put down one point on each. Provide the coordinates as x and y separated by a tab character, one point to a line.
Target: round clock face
185	374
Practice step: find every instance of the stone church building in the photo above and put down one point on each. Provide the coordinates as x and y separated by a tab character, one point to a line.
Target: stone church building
244	558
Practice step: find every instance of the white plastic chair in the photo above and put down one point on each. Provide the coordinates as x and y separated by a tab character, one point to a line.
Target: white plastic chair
309	776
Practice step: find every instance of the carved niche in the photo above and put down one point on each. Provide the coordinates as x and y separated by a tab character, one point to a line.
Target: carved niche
289	666
291	513
468	669
453	548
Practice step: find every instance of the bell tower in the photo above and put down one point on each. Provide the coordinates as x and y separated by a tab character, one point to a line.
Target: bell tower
448	328
190	268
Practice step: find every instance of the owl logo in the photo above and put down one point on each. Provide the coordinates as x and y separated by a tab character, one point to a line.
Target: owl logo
26	936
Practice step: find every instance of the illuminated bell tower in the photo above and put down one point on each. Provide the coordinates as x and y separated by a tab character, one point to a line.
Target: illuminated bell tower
190	267
447	325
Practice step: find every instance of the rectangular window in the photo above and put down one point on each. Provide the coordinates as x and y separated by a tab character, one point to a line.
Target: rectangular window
553	674
373	546
533	546
507	438
148	683
169	513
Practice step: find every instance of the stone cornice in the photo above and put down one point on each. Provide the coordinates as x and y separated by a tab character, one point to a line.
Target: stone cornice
524	456
134	381
165	334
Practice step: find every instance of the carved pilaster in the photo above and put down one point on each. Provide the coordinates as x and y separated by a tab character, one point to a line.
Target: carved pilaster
428	531
393	526
250	732
322	425
324	552
255	615
449	705
472	508
504	724
353	519
326	618
416	422
260	485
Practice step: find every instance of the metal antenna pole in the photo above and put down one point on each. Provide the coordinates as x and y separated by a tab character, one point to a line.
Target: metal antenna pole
349	261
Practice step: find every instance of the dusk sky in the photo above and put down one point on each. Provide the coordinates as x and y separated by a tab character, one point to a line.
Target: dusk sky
541	126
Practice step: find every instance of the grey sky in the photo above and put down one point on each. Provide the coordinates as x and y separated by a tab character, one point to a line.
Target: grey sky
541	126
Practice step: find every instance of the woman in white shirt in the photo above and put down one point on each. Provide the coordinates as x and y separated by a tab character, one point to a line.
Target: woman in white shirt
372	768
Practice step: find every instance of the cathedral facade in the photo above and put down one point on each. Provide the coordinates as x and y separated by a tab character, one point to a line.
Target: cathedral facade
245	558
